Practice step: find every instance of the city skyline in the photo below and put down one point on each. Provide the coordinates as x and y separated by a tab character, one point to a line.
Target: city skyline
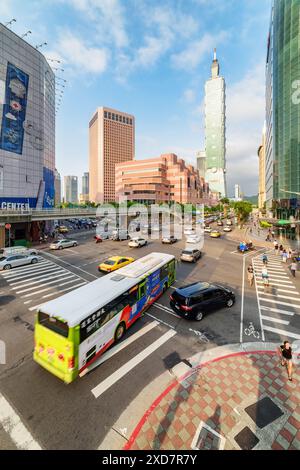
152	75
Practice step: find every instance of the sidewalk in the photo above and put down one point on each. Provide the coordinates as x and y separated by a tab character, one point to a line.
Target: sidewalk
259	239
240	400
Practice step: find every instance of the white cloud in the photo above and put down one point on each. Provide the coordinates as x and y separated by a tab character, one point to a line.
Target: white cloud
245	117
107	16
164	26
194	53
79	55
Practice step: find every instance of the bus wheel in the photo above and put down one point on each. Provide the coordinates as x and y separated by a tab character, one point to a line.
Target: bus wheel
120	331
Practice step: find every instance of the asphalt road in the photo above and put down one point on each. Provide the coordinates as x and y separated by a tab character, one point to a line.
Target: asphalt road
71	417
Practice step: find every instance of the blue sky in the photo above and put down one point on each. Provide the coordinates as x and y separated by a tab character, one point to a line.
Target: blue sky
151	58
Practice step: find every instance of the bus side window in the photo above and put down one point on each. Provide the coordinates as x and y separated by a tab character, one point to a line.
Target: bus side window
142	290
163	272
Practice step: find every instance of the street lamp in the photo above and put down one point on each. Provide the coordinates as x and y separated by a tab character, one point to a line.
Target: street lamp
60	78
53	60
26	34
41	45
10	22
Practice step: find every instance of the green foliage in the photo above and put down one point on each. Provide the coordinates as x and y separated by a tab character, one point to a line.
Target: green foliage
242	210
265	224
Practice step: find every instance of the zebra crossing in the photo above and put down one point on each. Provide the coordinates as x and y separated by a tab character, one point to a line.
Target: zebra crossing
279	304
35	284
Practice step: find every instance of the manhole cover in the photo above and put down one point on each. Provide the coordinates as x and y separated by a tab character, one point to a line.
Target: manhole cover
246	439
264	412
207	438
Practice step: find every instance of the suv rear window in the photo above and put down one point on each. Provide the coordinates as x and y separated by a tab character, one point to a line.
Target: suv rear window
53	324
180	298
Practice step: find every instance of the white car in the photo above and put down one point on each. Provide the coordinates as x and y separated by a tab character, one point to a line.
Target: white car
227	229
207	229
18	250
193	239
61	244
189	231
137	242
13	261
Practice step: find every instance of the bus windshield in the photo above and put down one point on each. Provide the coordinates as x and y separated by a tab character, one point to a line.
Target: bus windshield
53	324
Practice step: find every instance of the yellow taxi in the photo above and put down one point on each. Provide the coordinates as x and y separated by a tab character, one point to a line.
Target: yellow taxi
114	263
215	234
63	229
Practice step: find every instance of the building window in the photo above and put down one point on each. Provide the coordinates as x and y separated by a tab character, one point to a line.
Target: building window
105	114
124	120
109	115
189	182
130	120
113	116
127	120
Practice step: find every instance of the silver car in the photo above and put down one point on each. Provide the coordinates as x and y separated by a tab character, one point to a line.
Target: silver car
13	261
190	255
61	244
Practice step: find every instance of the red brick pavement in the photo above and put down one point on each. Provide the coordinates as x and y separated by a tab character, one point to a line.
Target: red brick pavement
209	394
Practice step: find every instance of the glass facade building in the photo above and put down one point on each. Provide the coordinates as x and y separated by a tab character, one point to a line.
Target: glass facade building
215	128
71	189
27	125
283	110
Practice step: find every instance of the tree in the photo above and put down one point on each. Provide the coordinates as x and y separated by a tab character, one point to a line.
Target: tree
242	210
225	201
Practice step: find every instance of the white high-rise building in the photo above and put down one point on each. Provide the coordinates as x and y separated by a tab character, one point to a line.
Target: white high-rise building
215	128
237	192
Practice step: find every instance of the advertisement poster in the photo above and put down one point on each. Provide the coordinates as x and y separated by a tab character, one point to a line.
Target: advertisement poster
14	110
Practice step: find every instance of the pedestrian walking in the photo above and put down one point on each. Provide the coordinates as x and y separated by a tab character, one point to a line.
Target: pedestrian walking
273	234
284	256
275	243
265	259
285	352
289	254
280	250
250	274
265	276
294	268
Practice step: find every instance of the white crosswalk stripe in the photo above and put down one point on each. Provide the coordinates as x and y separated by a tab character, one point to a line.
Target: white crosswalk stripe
46	276
278	303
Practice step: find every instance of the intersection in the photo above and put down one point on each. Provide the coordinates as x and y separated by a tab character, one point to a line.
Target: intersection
150	350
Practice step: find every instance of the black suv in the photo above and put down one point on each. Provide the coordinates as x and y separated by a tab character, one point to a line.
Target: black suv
197	299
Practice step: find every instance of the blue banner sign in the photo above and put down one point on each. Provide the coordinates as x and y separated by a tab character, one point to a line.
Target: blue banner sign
14	110
48	177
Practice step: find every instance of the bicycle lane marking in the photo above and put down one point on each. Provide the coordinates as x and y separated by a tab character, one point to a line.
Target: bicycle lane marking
243	293
257	297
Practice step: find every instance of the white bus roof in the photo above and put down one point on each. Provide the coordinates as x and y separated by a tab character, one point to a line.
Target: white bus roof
82	302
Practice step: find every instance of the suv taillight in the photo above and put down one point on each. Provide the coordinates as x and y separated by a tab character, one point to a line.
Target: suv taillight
186	308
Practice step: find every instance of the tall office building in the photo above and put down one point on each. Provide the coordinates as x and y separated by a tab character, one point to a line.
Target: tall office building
111	141
215	147
85	186
71	189
27	124
201	163
283	110
237	192
57	186
262	171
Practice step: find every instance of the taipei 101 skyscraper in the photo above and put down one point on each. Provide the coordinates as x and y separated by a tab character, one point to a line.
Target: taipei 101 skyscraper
215	129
